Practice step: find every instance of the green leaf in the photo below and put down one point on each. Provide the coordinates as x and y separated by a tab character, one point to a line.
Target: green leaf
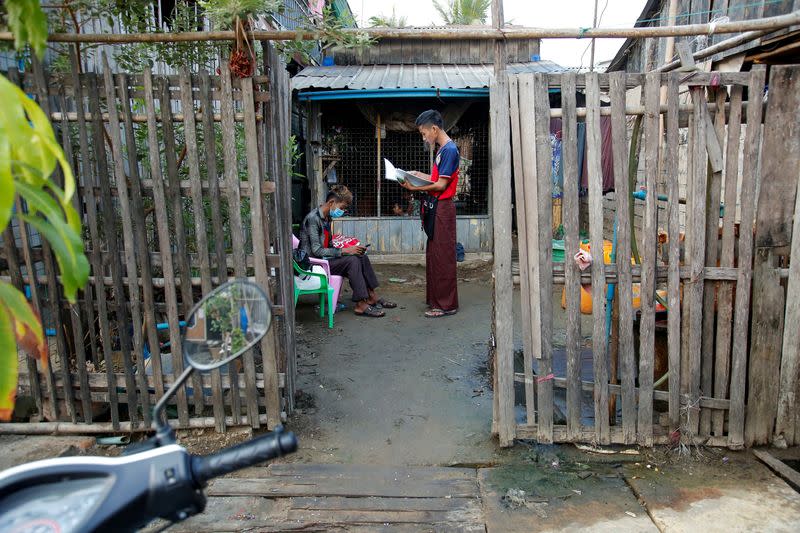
8	367
72	262
6	180
27	326
28	23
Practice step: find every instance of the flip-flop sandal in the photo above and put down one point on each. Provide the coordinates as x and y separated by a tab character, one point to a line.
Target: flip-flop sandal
385	304
438	313
371	312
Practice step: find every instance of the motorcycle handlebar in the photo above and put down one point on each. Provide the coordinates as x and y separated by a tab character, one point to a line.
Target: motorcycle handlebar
248	453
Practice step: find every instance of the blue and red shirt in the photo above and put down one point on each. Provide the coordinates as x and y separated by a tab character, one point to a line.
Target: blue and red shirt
446	166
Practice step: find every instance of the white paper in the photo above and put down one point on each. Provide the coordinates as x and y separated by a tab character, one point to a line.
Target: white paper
401	176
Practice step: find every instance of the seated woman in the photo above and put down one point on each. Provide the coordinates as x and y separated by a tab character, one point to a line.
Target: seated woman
351	263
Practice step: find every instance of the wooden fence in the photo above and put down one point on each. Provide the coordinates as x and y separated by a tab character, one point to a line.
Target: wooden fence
724	373
182	185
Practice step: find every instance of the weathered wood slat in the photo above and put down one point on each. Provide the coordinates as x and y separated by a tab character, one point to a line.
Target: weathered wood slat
522	245
624	288
371	472
162	228
785	424
337	503
781	158
148	323
722	358
95	259
659	437
501	207
673	282
128	244
571	218
231	177
712	241
544	249
53	290
648	241
742	305
111	239
280	486
600	363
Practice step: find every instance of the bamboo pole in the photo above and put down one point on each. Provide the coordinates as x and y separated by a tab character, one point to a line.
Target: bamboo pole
68	428
484	33
721	46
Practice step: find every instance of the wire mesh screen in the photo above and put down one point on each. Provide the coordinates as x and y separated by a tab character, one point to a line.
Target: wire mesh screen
352	153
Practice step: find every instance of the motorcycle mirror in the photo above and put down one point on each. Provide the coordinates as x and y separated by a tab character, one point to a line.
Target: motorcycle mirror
225	324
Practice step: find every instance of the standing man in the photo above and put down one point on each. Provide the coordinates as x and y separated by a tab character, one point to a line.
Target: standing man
438	215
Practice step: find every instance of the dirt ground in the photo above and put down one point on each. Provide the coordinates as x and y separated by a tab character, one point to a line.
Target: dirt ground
400	390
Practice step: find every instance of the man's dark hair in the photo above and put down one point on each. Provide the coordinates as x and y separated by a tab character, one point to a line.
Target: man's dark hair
340	193
431	117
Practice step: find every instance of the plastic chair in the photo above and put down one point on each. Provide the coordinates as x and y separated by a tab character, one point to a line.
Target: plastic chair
334	281
325	291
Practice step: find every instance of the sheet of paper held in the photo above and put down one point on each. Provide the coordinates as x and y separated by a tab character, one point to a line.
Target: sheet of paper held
400	176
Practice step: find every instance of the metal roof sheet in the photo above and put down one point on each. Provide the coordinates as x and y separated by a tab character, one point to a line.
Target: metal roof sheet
372	77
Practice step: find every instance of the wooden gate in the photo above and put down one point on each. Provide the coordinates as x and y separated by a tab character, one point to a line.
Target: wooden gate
182	185
700	139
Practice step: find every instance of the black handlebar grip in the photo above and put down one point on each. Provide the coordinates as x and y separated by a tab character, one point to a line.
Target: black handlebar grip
246	454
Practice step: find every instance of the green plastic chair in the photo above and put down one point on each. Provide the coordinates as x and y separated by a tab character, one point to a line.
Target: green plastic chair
325	291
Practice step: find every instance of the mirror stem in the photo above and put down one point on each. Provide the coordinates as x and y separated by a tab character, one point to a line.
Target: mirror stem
164	432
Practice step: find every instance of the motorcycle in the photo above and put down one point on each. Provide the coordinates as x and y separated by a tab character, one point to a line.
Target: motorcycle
156	478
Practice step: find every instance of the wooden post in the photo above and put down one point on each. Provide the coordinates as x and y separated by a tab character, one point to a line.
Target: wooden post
780	160
571	217
500	133
593	155
313	153
624	282
755	90
785	425
522	245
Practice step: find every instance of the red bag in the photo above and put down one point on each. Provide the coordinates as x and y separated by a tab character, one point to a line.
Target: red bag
340	241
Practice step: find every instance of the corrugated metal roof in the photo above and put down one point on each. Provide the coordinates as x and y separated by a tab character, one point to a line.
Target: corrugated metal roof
373	77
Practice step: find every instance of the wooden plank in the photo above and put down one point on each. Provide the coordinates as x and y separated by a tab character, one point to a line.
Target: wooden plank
338	503
625	285
111	242
96	260
781	158
674	228
714	193
722	356
785	425
368	472
693	288
284	240
163	230
281	487
544	251
779	467
148	323
593	154
571	219
209	139
522	245
53	290
742	305
500	134
198	208
231	178
260	241
648	240
129	248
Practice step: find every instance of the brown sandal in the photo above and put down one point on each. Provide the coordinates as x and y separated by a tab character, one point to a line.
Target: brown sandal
371	312
385	304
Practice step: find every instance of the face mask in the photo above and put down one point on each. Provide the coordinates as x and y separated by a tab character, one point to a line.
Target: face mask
337	213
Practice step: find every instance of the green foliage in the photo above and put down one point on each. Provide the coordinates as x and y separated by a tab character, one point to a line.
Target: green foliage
223	13
463	12
392	21
28	23
29	154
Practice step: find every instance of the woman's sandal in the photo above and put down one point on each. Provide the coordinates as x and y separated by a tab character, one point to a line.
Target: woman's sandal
385	304
372	312
438	313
